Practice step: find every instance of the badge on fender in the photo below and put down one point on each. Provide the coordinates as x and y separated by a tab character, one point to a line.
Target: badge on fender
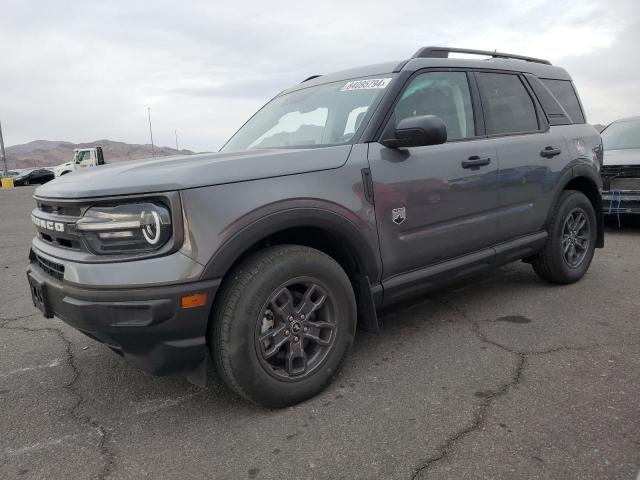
398	215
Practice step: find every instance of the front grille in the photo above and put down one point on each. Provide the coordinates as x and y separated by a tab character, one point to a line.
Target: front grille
69	211
625	184
620	171
65	214
61	242
621	177
51	268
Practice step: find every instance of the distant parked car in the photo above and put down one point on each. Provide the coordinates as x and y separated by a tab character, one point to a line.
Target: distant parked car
621	169
32	177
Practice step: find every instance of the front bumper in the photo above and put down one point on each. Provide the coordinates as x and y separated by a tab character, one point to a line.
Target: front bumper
146	325
621	202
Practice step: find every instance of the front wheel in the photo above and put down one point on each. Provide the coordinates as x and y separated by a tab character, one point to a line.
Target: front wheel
284	322
571	242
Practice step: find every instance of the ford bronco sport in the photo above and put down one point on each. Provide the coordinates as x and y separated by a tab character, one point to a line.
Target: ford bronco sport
344	194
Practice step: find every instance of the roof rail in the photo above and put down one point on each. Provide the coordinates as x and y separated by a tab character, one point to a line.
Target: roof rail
310	78
443	52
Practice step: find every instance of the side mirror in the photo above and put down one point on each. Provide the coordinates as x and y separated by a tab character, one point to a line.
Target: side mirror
418	131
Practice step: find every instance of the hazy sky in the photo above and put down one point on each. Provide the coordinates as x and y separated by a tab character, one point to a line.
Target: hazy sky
86	70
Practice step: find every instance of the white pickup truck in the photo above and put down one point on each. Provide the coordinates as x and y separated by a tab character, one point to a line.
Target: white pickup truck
82	158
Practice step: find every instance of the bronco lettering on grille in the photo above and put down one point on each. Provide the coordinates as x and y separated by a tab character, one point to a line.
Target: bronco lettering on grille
48	224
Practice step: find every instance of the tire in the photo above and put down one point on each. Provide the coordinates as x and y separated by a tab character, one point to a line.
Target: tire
26	182
556	263
258	350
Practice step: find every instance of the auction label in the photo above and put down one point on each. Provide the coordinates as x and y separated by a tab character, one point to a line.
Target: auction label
370	84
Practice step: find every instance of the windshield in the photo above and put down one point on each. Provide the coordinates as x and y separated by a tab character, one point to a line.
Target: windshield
622	135
328	114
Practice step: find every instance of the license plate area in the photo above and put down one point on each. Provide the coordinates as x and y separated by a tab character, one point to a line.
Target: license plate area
39	296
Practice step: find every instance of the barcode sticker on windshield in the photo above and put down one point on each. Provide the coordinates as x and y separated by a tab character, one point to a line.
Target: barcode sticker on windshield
369	84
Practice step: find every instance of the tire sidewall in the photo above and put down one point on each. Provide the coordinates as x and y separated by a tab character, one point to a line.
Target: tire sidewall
245	363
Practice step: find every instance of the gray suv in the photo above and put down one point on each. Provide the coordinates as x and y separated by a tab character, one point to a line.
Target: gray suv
344	194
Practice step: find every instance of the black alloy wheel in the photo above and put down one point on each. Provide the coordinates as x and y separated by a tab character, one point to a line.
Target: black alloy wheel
576	236
296	329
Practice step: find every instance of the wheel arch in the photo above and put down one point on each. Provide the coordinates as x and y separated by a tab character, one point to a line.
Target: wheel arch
317	228
585	179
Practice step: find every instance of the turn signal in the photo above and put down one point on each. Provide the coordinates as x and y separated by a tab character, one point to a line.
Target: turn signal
194	300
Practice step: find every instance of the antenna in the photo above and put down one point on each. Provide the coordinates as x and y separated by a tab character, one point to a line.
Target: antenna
153	149
4	158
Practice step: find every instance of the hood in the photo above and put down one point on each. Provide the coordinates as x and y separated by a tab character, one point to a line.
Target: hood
627	156
62	166
191	171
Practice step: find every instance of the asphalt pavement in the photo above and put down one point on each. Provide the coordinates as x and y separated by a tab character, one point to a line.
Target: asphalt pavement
500	377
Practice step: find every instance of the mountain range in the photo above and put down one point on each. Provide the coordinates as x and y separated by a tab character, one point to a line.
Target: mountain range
46	153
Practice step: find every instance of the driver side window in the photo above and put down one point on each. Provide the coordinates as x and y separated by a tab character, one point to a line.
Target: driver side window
82	156
443	94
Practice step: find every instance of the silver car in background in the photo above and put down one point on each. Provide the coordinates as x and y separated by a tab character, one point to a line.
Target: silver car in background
621	168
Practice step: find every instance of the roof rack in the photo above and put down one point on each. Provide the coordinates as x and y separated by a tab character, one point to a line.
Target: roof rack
310	78
443	52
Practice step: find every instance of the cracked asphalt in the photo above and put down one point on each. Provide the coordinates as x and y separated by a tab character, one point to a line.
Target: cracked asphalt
500	377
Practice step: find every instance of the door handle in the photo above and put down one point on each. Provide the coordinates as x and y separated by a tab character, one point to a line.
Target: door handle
549	152
476	161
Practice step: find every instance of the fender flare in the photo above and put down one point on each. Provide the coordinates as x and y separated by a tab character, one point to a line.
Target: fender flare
342	228
581	170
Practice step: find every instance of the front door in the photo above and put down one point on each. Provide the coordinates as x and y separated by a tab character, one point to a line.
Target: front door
438	202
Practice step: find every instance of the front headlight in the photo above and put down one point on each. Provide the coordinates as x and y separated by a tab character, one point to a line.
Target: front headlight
127	228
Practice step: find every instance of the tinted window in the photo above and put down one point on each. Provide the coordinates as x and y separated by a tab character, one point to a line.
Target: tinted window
566	95
508	108
555	113
444	94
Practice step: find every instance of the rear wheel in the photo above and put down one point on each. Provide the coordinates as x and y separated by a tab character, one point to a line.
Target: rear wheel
284	323
571	243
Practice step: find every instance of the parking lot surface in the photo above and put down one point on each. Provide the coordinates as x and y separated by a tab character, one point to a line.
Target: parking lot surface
500	377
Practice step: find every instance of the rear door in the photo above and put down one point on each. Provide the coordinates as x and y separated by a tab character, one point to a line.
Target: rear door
431	203
531	155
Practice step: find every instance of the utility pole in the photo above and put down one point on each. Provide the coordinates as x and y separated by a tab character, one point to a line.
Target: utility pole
153	149
176	132
4	158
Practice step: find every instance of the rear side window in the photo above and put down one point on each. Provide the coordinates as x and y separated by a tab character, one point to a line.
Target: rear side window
566	95
554	111
508	107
